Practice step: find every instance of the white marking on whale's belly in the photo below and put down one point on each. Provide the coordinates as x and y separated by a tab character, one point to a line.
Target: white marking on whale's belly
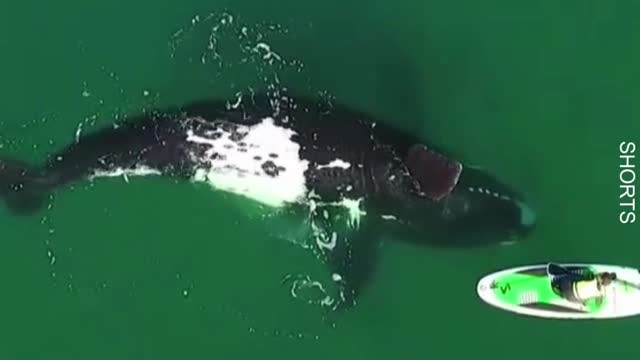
337	163
125	172
245	170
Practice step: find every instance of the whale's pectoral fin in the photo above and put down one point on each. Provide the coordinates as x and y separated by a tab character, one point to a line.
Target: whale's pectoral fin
350	249
352	264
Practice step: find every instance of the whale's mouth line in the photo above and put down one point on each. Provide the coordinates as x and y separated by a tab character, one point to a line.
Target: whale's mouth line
526	215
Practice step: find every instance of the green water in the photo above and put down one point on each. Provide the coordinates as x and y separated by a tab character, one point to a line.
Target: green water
540	92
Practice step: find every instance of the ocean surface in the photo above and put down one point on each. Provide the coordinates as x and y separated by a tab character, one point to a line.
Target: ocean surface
541	93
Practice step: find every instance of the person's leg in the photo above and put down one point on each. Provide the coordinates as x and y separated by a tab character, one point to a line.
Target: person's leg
556	282
556	270
565	287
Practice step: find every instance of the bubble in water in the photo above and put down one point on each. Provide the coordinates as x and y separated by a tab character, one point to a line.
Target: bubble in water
231	43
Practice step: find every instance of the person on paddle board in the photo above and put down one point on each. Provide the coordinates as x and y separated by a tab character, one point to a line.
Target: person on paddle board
579	288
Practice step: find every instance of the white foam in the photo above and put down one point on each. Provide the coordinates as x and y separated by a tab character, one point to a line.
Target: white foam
355	211
322	239
353	206
240	173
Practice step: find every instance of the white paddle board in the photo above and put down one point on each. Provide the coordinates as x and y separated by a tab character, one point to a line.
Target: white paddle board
526	290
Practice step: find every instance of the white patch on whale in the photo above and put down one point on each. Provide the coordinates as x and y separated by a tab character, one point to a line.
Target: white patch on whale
226	168
125	172
337	163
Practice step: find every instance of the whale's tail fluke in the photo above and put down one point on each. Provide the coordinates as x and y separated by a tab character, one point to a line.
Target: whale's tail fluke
21	187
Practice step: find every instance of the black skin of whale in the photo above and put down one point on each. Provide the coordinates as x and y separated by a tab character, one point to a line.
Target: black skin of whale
158	140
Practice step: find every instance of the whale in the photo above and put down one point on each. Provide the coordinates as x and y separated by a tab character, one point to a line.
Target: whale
353	178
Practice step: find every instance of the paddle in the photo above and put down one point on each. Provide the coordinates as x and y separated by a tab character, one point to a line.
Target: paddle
626	283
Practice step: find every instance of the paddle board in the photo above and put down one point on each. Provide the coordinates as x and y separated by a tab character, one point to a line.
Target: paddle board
526	290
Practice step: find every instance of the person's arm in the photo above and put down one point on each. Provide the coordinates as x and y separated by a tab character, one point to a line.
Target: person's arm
601	290
599	300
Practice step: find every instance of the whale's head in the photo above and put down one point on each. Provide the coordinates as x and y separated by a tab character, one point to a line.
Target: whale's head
471	205
481	204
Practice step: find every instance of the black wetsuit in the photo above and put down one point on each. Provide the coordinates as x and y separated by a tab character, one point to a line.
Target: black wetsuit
562	281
